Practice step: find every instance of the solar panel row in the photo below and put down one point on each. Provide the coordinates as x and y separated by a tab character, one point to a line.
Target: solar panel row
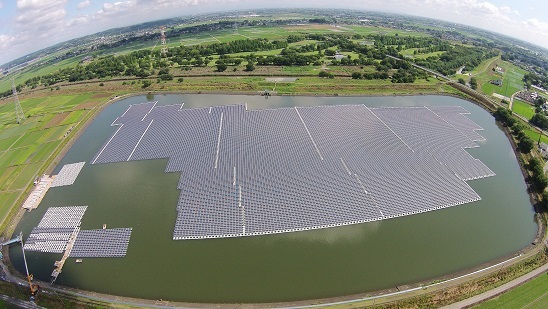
59	223
53	231
101	243
68	174
280	170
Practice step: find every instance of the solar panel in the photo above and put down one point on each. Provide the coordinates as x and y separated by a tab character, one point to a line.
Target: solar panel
68	174
101	243
271	171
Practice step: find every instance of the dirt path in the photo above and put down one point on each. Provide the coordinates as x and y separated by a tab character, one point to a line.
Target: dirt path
501	289
512	100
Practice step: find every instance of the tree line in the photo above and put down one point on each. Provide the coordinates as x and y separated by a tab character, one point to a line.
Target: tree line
145	63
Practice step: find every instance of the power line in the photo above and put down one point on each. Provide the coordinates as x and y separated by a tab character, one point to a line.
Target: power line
18	110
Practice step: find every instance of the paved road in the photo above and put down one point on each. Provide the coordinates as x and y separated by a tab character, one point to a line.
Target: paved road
19	303
542	271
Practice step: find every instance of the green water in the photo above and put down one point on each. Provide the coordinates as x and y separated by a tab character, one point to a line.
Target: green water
283	267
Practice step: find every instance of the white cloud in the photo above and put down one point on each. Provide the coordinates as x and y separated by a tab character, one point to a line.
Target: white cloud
6	41
84	4
1	5
41	23
537	26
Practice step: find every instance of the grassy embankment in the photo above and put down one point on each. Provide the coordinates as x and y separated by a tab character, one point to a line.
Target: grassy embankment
532	294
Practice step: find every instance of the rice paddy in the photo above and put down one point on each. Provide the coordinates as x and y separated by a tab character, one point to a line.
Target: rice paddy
27	149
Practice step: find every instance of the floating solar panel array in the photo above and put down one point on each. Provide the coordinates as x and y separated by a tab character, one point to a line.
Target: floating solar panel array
67	175
54	230
280	170
101	243
58	225
425	131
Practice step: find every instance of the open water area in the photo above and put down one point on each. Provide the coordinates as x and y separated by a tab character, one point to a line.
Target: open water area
282	267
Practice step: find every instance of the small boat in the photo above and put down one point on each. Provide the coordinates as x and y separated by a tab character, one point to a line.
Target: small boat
78	260
104	226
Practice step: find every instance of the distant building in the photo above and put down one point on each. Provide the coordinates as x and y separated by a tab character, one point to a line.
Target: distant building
543	148
497	82
86	59
538	88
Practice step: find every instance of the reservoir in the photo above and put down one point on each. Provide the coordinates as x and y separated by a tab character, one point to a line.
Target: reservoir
281	267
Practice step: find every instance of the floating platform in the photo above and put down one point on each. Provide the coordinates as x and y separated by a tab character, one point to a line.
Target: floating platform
55	229
68	174
256	172
38	192
101	243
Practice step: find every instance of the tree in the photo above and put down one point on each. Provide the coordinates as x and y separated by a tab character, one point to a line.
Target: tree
473	83
545	200
249	66
146	84
221	66
166	77
356	75
526	144
461	81
540	121
504	115
539	182
323	74
534	164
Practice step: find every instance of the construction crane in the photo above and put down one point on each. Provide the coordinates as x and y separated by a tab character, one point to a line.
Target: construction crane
32	286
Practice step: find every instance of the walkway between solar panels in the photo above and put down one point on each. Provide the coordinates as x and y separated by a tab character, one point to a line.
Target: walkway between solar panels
59	264
12	241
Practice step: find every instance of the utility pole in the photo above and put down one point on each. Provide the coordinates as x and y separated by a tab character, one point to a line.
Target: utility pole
163	41
18	110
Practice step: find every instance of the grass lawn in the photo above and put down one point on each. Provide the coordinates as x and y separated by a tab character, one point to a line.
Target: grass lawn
410	53
532	294
533	134
523	108
512	79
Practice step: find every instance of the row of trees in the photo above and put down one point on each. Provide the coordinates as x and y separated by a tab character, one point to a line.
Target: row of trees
456	57
534	79
538	180
540	120
144	63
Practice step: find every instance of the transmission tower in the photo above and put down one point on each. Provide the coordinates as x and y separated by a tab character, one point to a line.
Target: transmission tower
18	110
163	40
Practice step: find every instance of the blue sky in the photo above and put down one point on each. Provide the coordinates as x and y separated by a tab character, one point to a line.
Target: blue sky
30	25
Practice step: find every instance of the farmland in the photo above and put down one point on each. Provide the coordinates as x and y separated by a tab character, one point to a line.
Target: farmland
28	148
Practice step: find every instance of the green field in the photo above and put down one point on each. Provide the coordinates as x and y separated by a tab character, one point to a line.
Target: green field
534	135
410	53
512	80
26	148
523	108
532	294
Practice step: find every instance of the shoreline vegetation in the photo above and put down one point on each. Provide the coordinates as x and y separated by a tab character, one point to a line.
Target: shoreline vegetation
79	91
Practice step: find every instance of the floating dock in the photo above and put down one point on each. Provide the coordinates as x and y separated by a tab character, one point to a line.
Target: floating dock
38	192
59	232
